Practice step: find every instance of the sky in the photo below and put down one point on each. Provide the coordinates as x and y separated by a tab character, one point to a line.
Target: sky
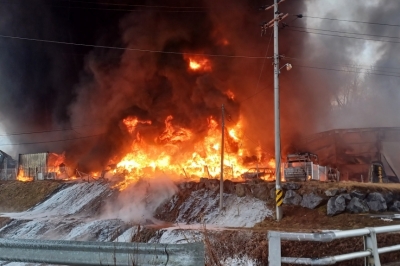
82	91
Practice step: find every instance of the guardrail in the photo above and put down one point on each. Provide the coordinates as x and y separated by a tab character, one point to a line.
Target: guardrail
100	253
370	253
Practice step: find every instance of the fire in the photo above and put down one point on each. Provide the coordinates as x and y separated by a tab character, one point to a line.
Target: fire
21	176
198	63
169	154
131	123
272	163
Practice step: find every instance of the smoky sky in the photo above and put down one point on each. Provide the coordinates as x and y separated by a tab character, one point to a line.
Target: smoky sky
45	86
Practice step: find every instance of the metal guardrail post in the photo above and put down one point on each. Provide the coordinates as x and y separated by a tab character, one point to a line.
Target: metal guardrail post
370	244
274	248
370	253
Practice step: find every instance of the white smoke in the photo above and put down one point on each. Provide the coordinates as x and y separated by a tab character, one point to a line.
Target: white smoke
138	202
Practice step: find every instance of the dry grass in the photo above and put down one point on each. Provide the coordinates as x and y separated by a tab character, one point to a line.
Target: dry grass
18	196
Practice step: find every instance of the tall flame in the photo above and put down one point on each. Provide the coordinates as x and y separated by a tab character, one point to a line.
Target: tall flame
166	154
21	176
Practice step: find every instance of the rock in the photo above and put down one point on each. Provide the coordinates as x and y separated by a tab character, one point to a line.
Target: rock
358	194
331	192
260	192
291	186
292	198
389	197
342	190
240	190
346	196
336	205
211	184
229	187
311	200
395	207
357	205
376	202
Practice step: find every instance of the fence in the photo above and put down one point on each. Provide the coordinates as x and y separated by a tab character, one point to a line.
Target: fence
370	253
100	253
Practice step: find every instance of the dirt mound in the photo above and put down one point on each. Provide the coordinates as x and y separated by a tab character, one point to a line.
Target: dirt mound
18	196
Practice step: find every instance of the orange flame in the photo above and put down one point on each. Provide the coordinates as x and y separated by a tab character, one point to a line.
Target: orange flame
198	63
21	176
180	155
131	122
167	156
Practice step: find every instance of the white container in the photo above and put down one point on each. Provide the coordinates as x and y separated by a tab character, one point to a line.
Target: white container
40	176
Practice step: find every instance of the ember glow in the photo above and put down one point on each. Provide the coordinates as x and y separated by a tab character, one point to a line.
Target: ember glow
175	153
198	63
230	95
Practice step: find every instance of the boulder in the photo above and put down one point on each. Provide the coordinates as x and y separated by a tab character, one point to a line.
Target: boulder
395	207
311	200
376	202
358	194
331	192
240	190
336	205
357	205
346	196
292	198
291	186
229	187
388	196
342	190
211	184
260	191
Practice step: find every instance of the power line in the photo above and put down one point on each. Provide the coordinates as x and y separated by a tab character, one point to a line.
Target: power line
132	10
354	33
50	141
261	71
126	48
341	70
341	36
45	131
120	9
353	21
355	66
149	6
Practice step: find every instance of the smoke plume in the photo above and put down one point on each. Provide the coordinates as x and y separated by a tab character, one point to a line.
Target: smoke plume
92	90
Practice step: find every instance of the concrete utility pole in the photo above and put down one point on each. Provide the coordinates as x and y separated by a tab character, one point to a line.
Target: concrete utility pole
221	183
279	192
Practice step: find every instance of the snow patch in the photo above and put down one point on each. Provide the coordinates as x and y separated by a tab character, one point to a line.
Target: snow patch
202	207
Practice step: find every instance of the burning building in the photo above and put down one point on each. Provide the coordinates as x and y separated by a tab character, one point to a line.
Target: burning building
40	166
353	150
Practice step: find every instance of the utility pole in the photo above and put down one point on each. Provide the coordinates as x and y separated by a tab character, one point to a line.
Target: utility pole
279	192
278	16
221	182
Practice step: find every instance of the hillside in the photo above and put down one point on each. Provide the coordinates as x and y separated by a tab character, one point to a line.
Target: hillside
160	211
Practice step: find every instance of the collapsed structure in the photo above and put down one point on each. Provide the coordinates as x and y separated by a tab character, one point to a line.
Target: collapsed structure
352	151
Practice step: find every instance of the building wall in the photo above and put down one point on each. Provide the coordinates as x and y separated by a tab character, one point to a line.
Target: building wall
352	150
32	164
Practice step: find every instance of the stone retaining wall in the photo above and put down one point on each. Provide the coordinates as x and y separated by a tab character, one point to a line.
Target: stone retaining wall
310	195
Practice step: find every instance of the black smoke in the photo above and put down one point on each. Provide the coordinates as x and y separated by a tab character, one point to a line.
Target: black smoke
89	89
